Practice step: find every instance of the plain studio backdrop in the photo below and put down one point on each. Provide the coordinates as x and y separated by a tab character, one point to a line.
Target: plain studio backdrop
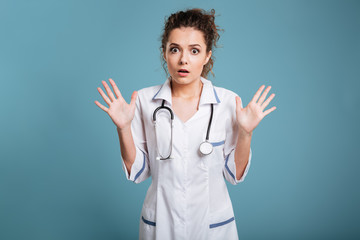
60	168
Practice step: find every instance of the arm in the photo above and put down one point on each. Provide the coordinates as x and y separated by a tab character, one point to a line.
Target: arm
242	153
127	147
247	120
130	129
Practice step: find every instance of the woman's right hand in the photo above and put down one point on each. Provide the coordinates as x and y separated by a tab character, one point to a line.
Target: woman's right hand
119	111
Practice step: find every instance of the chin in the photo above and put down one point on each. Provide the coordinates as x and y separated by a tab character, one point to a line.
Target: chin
180	80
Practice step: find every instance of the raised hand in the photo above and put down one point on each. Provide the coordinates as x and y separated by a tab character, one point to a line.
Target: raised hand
119	111
249	117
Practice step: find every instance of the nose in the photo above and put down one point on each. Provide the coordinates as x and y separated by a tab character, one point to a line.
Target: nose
183	58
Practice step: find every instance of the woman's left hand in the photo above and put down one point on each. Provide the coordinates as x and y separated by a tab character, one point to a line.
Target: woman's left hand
249	117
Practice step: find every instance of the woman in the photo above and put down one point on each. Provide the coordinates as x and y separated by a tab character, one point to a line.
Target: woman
188	197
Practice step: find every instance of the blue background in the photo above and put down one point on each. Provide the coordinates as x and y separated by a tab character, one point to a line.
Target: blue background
60	170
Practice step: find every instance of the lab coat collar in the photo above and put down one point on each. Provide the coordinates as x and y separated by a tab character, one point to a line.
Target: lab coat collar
208	94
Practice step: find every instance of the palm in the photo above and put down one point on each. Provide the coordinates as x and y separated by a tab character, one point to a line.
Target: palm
249	117
120	112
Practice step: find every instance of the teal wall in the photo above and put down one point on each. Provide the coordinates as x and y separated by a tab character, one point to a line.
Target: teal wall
60	169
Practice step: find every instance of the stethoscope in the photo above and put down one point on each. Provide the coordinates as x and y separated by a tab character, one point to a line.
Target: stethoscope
205	147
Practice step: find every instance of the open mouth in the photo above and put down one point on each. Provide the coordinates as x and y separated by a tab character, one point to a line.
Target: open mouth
183	72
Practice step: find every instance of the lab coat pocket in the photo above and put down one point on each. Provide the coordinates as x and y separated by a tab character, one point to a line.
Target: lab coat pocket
222	225
217	138
147	224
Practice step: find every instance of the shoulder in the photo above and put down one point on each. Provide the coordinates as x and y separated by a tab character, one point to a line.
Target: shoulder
225	96
148	93
227	106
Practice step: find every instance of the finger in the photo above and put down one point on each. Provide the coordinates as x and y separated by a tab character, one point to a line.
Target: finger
116	90
106	99
266	103
101	106
133	99
269	111
257	94
263	96
238	102
108	91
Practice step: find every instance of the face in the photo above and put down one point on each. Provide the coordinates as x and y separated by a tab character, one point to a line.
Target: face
186	50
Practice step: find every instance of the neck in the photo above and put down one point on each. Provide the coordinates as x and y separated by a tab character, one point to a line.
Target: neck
191	90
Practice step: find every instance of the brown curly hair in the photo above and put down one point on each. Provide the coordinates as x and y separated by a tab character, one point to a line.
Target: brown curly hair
198	19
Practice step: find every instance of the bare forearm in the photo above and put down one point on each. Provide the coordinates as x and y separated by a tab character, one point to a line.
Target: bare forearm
242	153
127	147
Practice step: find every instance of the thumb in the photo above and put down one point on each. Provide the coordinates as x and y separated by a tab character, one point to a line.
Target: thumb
238	102
133	99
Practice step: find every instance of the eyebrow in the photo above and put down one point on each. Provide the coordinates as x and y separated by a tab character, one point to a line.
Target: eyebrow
189	45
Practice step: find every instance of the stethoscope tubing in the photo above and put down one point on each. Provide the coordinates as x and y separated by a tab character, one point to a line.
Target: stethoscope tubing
209	125
172	126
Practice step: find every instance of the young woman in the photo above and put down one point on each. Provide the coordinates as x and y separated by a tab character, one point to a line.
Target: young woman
188	135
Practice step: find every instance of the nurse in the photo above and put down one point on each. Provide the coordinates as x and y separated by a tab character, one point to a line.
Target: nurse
188	197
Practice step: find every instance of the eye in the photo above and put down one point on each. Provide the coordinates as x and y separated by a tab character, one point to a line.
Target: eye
195	51
173	49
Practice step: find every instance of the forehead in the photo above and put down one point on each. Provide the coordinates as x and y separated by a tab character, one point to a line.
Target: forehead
186	36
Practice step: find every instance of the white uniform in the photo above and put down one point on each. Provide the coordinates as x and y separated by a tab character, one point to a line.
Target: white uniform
188	197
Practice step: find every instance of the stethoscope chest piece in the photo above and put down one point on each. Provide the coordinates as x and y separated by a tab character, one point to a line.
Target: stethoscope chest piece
206	148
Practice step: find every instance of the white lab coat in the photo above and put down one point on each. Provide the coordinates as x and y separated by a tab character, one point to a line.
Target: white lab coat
188	197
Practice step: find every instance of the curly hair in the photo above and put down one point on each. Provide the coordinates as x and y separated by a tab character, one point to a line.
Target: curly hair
198	19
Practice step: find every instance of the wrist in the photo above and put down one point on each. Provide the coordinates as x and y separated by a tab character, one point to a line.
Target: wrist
245	134
123	129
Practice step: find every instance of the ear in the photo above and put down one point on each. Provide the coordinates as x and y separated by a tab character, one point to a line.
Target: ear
208	57
164	56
